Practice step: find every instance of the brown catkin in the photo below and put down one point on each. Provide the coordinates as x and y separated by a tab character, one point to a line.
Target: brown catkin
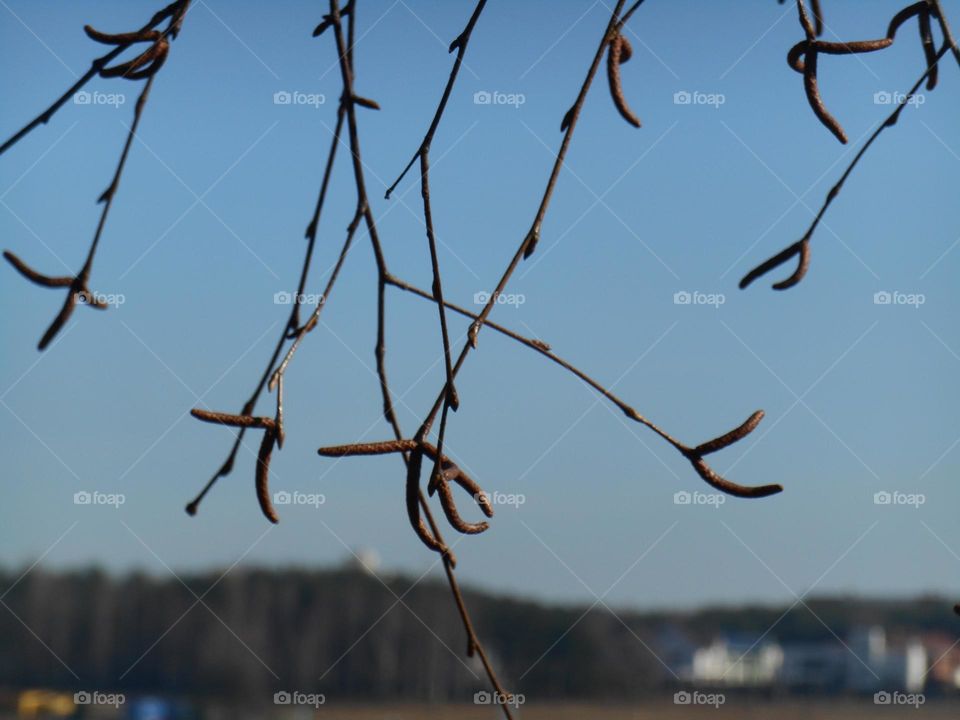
263	475
618	53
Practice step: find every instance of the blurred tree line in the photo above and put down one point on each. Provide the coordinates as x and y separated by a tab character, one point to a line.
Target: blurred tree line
344	633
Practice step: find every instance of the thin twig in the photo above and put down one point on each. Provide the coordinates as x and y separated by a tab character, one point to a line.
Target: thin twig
292	329
801	247
416	501
810	48
945	28
693	454
423	152
79	291
176	10
145	66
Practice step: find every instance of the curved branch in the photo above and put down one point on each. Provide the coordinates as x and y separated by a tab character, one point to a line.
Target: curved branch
693	454
801	246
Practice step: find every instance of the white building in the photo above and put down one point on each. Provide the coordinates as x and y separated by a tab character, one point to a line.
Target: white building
872	665
741	662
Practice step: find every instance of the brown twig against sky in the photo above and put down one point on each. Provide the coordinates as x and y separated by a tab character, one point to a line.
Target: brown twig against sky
809	49
817	15
143	67
413	450
423	153
801	248
693	454
274	373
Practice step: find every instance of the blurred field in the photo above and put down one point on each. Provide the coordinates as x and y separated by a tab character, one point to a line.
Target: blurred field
733	710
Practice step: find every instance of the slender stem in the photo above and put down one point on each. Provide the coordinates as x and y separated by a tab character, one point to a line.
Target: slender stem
544	350
176	9
792	250
434	539
423	153
528	244
945	28
107	197
292	328
460	43
79	290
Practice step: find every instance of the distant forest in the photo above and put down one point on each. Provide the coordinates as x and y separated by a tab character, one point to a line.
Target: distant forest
344	633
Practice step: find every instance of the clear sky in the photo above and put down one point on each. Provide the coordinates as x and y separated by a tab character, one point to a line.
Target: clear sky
208	226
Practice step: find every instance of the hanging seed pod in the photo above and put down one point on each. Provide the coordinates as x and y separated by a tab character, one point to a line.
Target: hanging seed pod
453	517
142	66
33	276
802	57
414	466
619	52
731	488
901	17
731	437
79	294
366	102
262	475
121	38
812	90
801	248
929	51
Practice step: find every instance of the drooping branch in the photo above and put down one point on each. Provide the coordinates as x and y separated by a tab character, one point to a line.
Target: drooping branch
293	329
802	246
809	49
693	454
416	501
174	12
451	401
269	427
79	291
142	67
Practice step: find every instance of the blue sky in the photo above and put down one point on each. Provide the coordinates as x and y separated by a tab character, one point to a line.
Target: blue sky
208	225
